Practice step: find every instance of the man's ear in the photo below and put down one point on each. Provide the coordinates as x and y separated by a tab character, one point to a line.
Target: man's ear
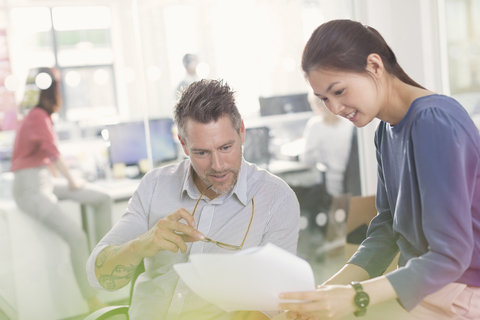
375	65
184	145
242	132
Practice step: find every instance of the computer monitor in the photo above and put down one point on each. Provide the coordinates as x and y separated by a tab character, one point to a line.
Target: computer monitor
284	104
128	142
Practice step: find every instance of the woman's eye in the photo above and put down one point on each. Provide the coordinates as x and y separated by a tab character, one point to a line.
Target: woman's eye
339	92
324	99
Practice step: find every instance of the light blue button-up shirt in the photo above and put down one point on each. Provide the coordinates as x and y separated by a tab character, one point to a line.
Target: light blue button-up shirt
159	292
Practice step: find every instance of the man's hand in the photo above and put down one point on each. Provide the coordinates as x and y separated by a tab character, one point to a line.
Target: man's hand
115	265
168	234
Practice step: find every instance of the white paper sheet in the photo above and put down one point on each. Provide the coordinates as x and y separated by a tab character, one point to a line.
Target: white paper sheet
248	280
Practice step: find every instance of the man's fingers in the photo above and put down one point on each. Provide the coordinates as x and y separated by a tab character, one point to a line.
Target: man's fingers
188	238
185	229
182	214
174	238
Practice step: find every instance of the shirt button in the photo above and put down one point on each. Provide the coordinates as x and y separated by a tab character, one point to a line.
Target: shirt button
179	295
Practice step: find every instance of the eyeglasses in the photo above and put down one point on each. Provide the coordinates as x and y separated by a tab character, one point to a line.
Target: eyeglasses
221	244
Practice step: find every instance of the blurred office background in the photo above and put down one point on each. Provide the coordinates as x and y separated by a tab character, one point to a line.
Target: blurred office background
121	62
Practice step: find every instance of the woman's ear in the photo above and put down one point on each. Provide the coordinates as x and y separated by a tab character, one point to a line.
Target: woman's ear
375	65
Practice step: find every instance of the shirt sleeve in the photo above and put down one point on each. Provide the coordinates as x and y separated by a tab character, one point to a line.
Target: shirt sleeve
133	224
283	227
46	138
446	162
379	249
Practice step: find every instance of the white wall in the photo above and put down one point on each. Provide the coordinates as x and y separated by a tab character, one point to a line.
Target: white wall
411	28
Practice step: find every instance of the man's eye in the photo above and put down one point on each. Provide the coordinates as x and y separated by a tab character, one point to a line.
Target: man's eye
227	147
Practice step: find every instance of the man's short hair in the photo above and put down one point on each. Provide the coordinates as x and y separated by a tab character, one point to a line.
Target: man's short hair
206	101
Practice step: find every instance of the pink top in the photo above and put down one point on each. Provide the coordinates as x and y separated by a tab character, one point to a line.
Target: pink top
35	142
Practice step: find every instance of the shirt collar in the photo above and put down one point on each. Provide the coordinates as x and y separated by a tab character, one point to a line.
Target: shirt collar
240	189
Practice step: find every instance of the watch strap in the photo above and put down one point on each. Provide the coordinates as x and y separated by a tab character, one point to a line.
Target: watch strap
361	299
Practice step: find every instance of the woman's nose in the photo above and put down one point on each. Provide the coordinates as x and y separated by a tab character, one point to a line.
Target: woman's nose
336	107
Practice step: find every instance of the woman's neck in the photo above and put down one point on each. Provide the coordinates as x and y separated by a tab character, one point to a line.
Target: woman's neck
399	98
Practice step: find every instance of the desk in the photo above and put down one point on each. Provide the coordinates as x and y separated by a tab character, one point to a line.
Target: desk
295	173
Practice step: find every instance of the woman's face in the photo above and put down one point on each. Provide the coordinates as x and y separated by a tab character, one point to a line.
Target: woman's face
350	95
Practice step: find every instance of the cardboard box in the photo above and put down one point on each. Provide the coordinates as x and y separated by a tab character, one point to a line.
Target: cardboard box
361	211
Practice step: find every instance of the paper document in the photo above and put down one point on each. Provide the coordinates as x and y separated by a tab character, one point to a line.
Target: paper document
248	280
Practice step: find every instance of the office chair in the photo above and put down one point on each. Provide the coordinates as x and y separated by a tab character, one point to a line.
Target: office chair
108	312
256	147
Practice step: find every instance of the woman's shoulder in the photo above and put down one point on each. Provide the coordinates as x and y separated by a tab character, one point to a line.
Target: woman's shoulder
434	110
442	104
438	112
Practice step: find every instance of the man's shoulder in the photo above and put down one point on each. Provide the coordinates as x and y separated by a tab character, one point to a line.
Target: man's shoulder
175	170
257	175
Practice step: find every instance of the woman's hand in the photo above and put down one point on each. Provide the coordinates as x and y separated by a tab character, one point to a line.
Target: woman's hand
74	184
327	302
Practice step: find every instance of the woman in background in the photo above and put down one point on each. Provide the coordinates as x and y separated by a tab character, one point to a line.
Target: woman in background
428	191
328	140
34	162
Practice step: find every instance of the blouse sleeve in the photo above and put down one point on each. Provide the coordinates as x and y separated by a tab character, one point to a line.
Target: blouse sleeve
46	138
379	249
445	164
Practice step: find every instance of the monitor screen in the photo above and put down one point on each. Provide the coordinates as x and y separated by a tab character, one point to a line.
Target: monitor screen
284	104
128	142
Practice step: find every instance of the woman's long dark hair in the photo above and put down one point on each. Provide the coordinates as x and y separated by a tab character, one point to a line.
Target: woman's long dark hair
345	45
49	99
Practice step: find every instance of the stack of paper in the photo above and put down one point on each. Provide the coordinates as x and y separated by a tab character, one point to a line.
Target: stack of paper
248	280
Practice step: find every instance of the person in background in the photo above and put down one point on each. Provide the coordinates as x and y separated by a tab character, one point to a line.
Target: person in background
328	140
35	162
234	204
428	190
190	62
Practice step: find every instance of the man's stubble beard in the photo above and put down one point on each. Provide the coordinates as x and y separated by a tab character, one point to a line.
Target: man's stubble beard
214	188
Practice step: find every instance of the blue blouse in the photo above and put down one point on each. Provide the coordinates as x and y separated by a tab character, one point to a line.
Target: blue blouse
428	201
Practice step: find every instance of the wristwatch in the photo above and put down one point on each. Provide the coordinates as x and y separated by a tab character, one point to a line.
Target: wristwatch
361	299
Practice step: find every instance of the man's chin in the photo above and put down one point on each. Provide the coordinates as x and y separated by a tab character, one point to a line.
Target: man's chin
221	189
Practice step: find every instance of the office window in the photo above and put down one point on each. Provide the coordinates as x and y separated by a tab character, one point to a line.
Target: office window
463	50
33	37
77	41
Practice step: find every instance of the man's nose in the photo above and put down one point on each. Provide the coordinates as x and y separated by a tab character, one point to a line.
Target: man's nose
217	161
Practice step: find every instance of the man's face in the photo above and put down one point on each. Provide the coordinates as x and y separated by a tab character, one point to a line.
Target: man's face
215	151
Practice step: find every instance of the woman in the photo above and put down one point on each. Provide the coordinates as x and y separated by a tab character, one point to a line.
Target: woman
428	193
328	140
36	192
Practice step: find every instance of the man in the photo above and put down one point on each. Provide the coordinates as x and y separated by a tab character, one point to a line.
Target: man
190	62
242	206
